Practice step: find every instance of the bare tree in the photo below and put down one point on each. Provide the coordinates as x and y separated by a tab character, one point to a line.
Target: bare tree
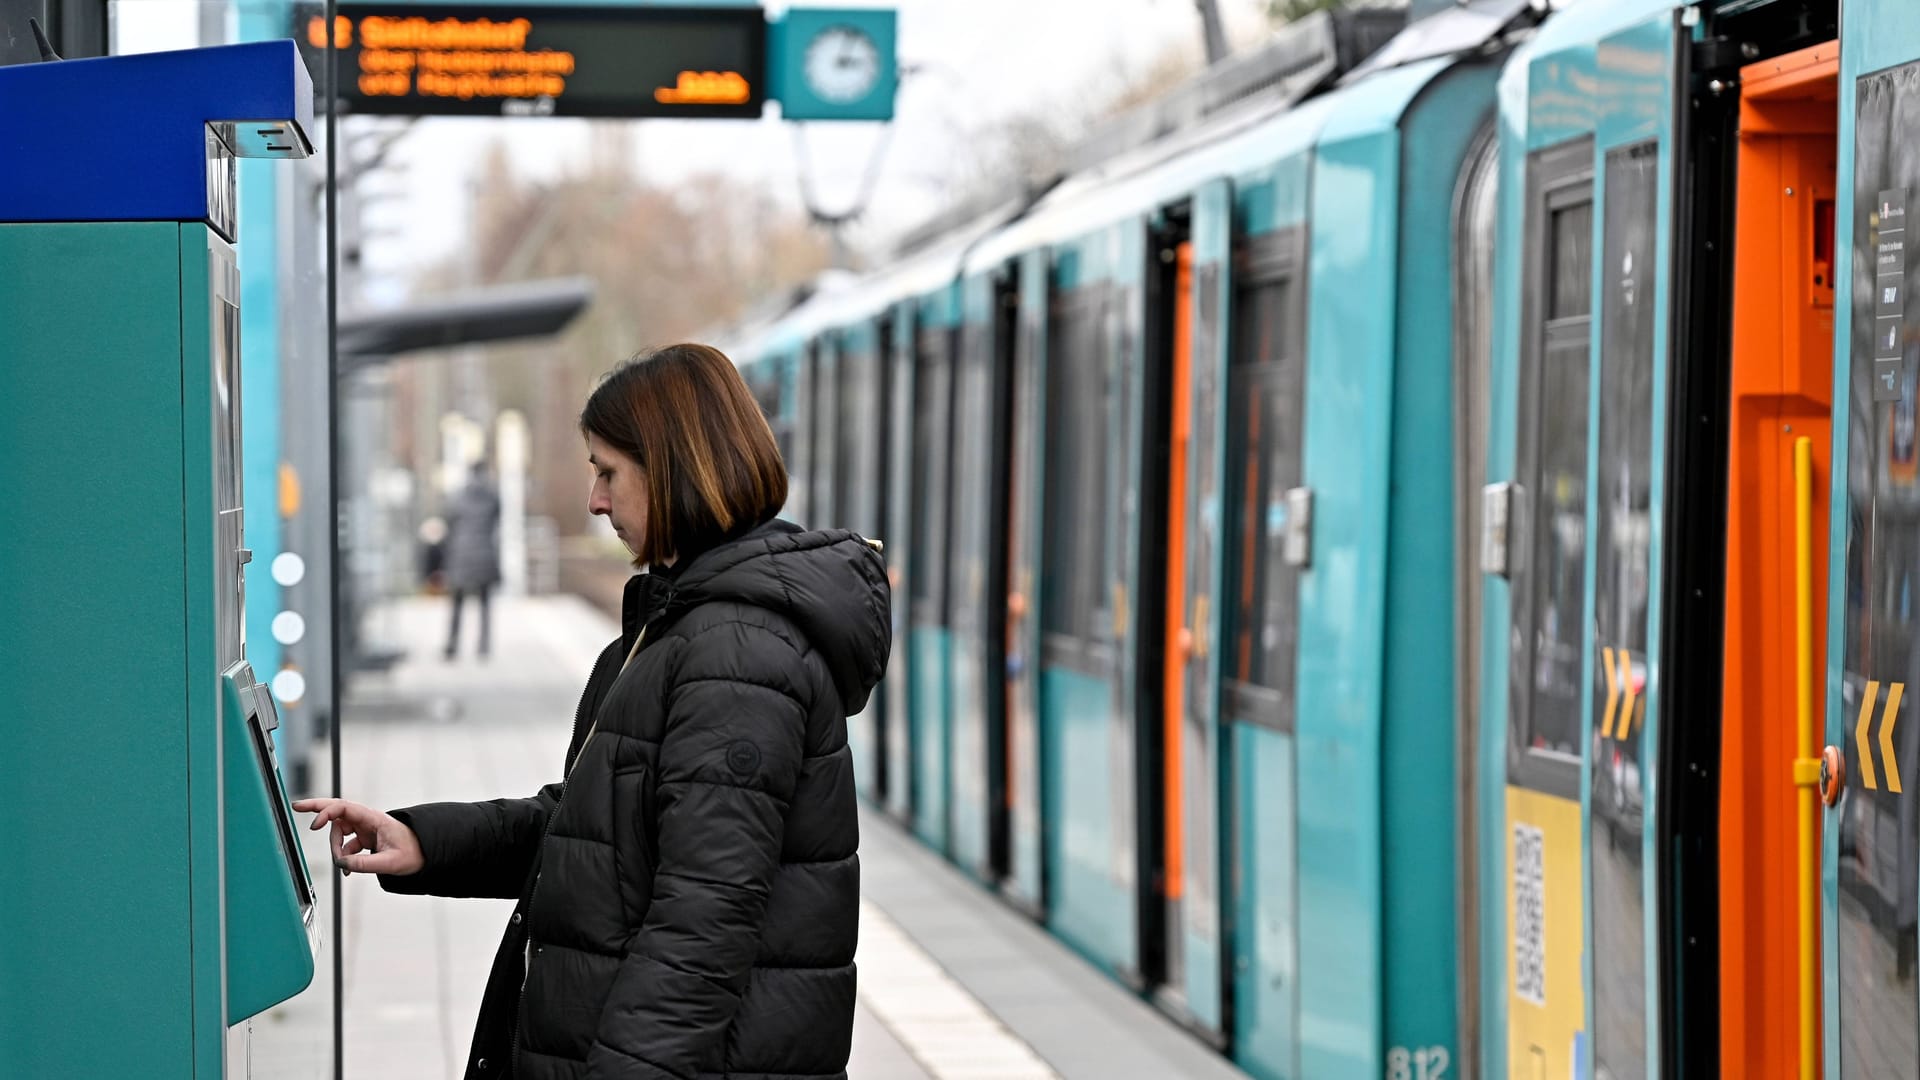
666	262
1031	145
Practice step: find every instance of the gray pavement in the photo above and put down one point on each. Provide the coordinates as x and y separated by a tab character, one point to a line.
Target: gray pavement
414	967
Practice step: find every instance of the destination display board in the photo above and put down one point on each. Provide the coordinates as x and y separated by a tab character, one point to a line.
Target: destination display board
417	59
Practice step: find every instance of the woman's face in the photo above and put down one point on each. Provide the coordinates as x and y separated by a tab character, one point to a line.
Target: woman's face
619	491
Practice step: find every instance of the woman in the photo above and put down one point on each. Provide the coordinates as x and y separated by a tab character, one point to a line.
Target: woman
688	895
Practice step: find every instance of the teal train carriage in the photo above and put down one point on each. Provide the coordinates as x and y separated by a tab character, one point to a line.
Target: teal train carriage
1126	480
1362	538
1703	400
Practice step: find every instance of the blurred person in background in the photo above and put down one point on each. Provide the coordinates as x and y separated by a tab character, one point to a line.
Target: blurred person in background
472	565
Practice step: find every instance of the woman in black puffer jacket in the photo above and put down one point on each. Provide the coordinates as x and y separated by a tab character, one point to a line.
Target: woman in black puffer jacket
689	894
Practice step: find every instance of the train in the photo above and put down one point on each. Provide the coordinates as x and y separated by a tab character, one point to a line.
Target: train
1404	549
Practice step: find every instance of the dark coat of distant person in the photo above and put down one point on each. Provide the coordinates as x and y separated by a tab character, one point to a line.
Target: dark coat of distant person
473	547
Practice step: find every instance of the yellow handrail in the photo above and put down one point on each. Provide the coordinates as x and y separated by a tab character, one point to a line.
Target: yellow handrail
1806	768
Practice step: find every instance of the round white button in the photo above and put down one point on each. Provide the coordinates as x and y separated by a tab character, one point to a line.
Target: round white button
289	569
289	686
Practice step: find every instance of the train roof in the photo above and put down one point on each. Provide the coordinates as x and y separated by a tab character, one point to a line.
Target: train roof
1238	116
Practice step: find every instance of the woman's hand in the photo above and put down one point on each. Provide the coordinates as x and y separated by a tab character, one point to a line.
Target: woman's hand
366	840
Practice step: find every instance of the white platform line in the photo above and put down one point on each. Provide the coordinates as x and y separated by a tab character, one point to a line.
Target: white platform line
945	1028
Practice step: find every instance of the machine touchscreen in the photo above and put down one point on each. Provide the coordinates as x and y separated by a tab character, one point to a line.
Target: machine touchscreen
271	931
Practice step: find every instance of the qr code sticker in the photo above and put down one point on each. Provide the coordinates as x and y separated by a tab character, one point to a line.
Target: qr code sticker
1529	915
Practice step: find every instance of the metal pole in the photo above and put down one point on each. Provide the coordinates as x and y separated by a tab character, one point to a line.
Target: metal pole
333	514
1213	30
1806	770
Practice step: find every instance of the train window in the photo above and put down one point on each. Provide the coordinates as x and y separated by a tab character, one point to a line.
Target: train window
1571	265
1264	462
932	404
1559	554
797	370
765	384
973	422
823	507
880	441
1078	477
855	417
1550	603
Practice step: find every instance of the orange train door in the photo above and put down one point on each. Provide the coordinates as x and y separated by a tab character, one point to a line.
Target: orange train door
1782	392
1175	656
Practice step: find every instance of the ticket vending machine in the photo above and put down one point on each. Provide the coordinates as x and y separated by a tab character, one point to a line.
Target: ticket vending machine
153	894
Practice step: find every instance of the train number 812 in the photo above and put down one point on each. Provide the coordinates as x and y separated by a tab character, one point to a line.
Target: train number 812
1420	1063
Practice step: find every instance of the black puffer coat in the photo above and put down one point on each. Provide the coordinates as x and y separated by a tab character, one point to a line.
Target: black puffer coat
689	897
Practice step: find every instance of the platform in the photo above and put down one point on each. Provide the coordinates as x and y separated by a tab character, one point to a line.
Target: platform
953	984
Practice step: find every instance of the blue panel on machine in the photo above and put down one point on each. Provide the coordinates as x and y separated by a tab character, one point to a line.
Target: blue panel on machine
107	119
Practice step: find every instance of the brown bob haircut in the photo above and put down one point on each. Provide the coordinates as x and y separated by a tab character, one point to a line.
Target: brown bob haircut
713	470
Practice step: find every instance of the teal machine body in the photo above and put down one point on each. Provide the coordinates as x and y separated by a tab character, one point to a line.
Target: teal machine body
155	895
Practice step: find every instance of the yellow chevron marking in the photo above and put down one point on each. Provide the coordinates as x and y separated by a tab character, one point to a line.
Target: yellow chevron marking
1867	776
1626	683
1887	719
1613	693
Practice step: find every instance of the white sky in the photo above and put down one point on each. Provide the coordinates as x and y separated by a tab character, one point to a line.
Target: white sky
980	59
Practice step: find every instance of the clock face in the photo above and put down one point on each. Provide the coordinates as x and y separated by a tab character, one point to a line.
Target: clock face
842	65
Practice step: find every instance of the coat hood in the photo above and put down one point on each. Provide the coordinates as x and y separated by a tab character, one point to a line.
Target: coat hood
831	583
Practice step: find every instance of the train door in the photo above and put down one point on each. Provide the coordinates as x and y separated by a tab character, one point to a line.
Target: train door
1091	577
1474	245
1871	891
1172	301
897	357
1546	1010
976	588
1192	766
1600	490
1165	901
1625	702
1006	333
929	639
1782	381
1024	884
1164	325
1262	401
768	380
859	480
